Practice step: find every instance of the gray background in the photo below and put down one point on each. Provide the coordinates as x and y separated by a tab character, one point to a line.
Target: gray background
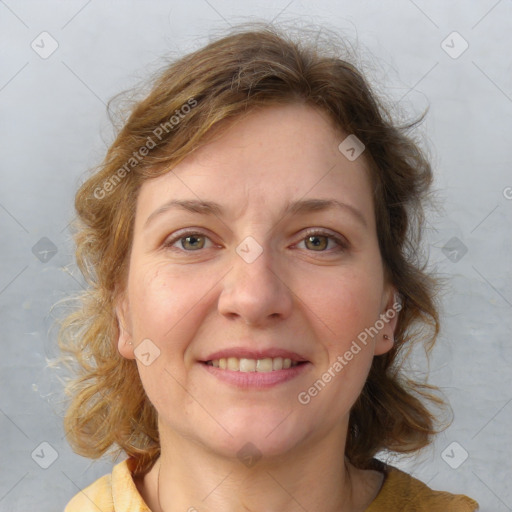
54	127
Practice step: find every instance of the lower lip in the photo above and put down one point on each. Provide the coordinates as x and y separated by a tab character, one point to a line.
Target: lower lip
257	380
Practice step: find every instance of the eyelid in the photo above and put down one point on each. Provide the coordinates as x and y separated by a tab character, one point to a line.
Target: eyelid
183	233
342	242
339	239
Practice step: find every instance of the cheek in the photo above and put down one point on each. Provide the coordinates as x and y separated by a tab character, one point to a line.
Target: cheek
164	306
345	304
161	298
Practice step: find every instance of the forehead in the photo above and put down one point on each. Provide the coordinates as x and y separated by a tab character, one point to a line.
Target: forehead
271	156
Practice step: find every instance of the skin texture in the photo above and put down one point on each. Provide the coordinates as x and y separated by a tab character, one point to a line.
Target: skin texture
313	300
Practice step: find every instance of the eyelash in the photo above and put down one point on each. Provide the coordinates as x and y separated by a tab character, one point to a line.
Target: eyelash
342	244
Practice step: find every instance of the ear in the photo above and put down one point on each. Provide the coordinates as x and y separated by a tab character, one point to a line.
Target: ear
390	309
125	340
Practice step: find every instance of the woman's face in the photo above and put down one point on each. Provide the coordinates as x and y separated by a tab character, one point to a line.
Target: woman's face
257	282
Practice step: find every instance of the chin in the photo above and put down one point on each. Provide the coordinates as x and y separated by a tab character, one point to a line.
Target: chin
265	435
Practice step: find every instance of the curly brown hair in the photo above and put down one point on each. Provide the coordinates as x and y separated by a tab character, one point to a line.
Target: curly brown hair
190	101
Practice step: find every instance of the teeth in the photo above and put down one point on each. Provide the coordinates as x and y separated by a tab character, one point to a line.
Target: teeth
233	363
262	365
248	365
267	364
277	363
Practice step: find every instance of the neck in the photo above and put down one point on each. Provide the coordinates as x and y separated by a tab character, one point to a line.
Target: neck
189	477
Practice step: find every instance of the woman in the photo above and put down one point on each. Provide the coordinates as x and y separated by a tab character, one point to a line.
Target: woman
250	247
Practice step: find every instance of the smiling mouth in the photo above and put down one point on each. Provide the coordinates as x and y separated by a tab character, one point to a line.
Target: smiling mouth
265	365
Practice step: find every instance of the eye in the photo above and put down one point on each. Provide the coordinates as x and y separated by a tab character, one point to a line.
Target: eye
315	240
318	241
189	241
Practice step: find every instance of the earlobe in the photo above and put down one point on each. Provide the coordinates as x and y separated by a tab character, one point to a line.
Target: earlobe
388	321
124	342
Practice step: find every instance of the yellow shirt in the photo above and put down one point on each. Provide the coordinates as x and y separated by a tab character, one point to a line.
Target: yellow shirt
399	492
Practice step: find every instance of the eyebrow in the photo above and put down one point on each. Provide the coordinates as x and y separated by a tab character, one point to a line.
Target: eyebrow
298	207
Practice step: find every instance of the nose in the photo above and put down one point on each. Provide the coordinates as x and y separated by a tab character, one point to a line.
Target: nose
256	291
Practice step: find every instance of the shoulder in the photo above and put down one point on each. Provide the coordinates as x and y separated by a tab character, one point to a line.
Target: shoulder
402	492
96	496
115	492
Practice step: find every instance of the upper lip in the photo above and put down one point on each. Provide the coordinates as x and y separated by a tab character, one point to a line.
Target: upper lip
250	353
